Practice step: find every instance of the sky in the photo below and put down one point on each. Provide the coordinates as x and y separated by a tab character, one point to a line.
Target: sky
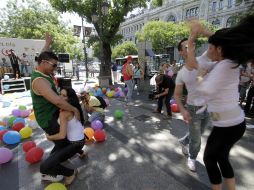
73	18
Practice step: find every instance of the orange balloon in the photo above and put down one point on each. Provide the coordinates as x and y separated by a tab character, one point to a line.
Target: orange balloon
89	132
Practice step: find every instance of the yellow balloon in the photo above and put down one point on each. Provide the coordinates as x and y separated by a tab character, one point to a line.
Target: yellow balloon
56	186
32	116
89	132
26	132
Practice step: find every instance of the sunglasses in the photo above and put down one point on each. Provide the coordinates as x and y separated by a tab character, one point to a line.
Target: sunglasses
54	65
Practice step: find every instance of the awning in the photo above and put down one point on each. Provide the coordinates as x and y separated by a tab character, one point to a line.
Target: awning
149	52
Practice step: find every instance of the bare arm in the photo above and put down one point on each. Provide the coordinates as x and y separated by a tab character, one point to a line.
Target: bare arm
42	87
178	97
164	93
196	29
48	42
64	116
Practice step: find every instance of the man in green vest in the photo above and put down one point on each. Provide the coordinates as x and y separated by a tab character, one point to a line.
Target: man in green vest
47	104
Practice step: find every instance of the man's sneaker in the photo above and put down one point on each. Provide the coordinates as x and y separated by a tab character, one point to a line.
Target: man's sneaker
185	148
191	165
51	178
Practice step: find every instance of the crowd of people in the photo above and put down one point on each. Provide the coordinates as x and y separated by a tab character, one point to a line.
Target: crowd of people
212	81
19	64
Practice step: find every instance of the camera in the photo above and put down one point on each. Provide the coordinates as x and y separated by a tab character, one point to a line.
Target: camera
152	94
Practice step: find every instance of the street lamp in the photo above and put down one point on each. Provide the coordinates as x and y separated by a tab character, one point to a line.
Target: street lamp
84	42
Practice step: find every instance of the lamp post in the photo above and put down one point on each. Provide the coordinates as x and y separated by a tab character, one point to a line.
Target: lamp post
84	42
98	18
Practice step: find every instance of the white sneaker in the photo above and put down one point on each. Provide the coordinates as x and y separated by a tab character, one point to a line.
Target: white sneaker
51	178
191	163
137	93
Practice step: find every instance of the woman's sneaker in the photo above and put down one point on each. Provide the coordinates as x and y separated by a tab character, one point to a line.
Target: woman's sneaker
56	178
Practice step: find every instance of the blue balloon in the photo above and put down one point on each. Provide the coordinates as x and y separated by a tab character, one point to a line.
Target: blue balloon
6	86
11	137
19	120
2	128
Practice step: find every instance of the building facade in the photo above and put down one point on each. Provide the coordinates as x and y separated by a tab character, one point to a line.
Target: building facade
217	12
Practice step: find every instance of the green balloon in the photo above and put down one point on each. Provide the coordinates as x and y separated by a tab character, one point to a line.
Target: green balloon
22	107
11	120
118	114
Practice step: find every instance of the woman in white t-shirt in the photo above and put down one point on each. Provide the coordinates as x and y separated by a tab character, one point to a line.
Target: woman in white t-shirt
71	128
229	48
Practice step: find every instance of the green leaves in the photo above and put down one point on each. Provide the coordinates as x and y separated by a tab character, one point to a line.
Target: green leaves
32	19
126	48
163	34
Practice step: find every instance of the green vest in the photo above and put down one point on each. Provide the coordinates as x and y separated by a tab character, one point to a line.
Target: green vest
43	109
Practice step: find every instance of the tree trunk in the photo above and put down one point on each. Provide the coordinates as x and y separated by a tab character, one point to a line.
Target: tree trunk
105	67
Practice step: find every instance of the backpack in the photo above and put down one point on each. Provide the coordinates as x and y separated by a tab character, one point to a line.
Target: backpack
102	101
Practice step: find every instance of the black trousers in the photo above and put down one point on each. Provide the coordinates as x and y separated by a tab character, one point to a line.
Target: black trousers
62	151
167	103
15	68
248	108
218	146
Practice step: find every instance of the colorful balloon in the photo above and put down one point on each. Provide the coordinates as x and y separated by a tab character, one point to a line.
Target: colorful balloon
11	137
99	135
22	107
26	132
118	114
2	132
11	120
34	155
5	155
89	132
56	186
16	112
96	125
28	145
174	108
18	126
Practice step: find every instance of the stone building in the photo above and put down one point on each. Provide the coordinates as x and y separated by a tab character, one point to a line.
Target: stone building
217	12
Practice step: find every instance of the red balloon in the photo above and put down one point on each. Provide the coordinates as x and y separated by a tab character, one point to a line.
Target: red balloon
18	126
174	108
34	155
99	135
28	145
2	132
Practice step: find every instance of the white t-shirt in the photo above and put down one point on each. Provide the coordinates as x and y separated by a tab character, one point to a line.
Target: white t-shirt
189	78
221	91
75	130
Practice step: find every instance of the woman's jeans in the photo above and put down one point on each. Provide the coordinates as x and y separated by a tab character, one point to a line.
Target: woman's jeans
129	85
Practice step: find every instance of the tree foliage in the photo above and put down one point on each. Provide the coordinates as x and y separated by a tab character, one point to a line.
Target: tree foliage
126	48
107	26
31	19
163	34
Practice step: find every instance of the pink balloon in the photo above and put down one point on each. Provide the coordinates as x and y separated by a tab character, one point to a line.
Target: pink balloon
24	113
5	155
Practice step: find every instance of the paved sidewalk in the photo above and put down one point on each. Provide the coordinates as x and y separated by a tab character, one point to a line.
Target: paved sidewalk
141	152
